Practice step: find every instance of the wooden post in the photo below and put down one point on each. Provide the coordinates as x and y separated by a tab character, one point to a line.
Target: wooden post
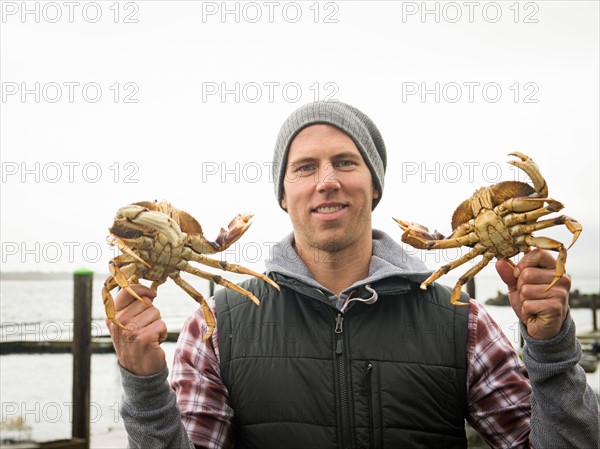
471	287
82	353
594	307
521	340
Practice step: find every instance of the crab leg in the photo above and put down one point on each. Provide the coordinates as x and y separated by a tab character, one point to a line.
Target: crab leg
509	210
528	206
531	169
109	303
115	241
476	251
119	277
231	267
455	297
423	243
440	244
553	245
155	284
221	281
572	225
208	315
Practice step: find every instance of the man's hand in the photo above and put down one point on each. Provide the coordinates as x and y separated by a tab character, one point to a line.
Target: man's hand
543	312
138	349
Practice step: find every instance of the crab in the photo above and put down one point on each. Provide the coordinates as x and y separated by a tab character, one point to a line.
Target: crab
497	221
157	242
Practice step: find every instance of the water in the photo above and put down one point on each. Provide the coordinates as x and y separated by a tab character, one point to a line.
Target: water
38	387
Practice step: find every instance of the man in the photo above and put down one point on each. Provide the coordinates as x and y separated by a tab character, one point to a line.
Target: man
351	353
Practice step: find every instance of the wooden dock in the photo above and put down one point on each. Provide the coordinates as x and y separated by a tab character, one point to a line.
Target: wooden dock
103	344
100	345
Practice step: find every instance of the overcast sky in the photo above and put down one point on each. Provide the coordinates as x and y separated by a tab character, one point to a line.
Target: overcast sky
107	103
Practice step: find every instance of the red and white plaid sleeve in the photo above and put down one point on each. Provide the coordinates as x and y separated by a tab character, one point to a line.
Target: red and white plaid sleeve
498	386
201	395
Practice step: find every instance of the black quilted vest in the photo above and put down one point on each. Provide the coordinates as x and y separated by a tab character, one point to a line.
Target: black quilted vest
302	375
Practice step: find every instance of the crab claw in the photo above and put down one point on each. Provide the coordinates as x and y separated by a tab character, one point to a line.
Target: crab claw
417	230
236	229
134	220
575	228
531	169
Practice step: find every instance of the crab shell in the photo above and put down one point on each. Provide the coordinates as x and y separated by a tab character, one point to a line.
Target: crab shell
158	241
498	194
497	221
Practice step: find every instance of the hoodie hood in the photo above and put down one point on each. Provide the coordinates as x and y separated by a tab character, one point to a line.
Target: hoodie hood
389	260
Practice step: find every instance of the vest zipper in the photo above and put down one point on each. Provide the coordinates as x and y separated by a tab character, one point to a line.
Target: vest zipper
367	382
342	373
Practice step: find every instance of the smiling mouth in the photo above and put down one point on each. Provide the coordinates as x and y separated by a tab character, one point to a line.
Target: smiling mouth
328	209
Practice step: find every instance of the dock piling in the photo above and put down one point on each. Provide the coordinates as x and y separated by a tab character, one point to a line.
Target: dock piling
82	353
594	307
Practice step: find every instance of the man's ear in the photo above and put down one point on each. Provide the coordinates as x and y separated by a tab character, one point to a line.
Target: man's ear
375	193
283	202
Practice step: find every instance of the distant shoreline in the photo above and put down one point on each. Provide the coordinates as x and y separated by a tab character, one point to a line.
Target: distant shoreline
576	299
41	275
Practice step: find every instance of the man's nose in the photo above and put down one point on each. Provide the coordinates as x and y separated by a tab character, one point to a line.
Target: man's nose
327	178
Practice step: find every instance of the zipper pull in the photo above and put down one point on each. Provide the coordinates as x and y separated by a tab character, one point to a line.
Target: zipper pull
367	372
339	344
338	323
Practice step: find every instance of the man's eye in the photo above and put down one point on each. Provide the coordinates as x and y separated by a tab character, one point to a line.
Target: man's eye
344	164
305	167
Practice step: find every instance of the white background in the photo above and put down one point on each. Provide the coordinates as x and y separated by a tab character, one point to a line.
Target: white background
202	88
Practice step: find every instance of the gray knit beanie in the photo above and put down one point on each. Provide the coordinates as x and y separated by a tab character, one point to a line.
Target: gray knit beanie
348	119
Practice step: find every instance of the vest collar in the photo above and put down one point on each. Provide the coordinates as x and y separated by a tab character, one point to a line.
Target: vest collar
390	272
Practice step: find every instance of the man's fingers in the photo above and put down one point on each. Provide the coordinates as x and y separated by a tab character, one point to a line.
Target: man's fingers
147	316
541	278
535	307
536	276
124	298
536	258
542	309
162	335
543	318
137	315
151	334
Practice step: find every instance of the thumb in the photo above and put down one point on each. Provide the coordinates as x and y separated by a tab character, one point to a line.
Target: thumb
507	273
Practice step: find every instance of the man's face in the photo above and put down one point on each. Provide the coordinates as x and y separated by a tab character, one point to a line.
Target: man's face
328	189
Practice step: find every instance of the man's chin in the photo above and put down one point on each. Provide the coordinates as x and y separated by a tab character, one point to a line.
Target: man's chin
330	245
